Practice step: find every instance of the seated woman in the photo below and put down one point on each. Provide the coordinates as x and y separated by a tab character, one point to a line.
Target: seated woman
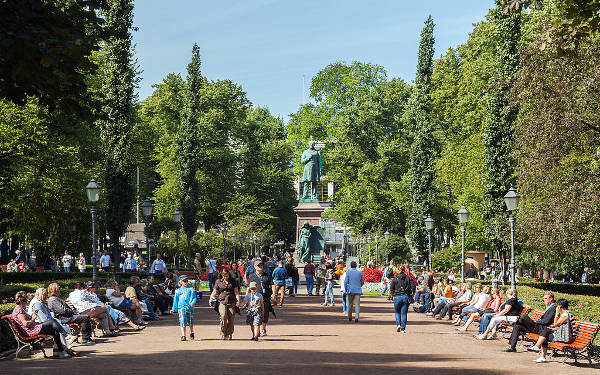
135	293
463	298
124	304
31	328
560	331
476	304
117	316
441	305
511	309
492	307
446	292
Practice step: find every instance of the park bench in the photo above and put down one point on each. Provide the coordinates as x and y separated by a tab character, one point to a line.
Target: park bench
24	341
584	334
507	328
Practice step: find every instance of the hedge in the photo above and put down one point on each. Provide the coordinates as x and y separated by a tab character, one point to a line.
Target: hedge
33	277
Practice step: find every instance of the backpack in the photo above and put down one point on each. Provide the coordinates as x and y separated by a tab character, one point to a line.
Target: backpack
389	274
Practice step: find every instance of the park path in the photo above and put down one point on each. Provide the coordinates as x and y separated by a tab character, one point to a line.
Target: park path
306	338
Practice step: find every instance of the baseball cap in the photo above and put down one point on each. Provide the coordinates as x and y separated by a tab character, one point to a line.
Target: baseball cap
252	285
182	278
258	262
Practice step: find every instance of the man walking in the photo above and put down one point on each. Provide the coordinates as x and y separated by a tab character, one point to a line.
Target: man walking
211	270
353	286
320	274
309	274
279	277
263	282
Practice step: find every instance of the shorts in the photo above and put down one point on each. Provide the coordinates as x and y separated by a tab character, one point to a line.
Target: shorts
186	318
125	305
254	318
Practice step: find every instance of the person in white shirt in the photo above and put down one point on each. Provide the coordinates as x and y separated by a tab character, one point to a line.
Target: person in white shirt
119	301
81	263
85	303
117	316
211	270
105	262
67	260
343	291
158	265
130	265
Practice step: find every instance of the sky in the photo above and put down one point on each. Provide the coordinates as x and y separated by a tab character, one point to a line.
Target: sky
269	47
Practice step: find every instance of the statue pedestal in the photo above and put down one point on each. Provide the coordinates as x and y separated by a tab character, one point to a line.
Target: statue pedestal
308	211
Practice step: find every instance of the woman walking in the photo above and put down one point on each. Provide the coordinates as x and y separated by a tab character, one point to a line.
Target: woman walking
401	288
226	291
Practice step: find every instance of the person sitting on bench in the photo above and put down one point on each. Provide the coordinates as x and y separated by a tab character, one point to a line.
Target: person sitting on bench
526	325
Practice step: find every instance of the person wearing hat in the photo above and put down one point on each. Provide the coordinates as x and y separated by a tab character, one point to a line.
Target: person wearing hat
253	301
183	303
263	282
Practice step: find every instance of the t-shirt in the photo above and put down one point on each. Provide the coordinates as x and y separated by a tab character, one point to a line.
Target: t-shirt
482	301
254	300
448	291
114	299
212	265
515	307
67	259
226	291
105	261
81	263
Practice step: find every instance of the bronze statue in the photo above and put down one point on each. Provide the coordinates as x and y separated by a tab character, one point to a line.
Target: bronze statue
311	158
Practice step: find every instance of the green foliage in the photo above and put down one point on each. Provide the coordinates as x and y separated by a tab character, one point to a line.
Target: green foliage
45	51
117	82
188	149
498	128
423	148
447	259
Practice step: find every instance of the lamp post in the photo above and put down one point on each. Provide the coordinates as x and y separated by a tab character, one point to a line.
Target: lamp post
233	238
255	242
511	199
429	222
147	208
386	235
369	246
224	233
177	219
249	248
463	218
93	194
376	249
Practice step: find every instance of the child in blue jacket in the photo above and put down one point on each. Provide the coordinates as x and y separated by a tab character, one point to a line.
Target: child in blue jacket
183	303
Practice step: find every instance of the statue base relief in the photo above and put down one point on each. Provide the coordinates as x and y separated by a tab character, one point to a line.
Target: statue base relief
311	211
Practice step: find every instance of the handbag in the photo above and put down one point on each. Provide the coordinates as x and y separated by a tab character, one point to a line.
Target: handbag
564	332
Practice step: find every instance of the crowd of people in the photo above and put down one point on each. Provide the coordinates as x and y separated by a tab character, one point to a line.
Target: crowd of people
267	281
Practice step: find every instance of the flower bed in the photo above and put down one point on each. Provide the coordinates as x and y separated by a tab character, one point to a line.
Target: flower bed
372	275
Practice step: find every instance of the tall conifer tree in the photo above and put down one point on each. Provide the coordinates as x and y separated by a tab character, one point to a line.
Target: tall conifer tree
498	127
422	152
118	76
188	148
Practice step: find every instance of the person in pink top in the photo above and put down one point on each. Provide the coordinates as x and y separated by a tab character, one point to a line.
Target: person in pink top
32	328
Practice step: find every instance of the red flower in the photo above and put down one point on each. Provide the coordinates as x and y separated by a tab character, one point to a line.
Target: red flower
372	275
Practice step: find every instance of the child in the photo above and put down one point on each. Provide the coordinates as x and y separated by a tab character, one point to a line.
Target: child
183	303
254	309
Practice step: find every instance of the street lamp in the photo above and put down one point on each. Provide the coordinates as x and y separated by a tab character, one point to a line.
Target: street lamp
93	194
511	199
224	233
429	222
369	245
254	241
177	219
233	238
386	235
376	249
147	208
463	218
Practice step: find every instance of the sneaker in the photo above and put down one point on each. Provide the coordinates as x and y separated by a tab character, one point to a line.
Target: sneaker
252	338
183	338
230	337
255	338
492	337
533	348
333	304
398	328
540	360
510	350
62	355
263	332
480	337
349	319
356	320
403	331
88	342
192	336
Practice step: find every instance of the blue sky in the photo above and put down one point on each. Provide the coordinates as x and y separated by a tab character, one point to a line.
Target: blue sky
267	46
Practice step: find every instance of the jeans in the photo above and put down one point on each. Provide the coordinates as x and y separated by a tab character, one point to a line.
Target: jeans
296	283
384	289
466	310
401	308
310	282
329	292
344	302
149	306
420	295
67	269
485	321
51	327
428	301
211	282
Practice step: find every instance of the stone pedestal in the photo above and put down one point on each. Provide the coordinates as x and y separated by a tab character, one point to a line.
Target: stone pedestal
308	211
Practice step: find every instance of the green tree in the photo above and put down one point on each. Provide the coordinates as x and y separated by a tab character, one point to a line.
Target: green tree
189	149
423	148
117	82
498	128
